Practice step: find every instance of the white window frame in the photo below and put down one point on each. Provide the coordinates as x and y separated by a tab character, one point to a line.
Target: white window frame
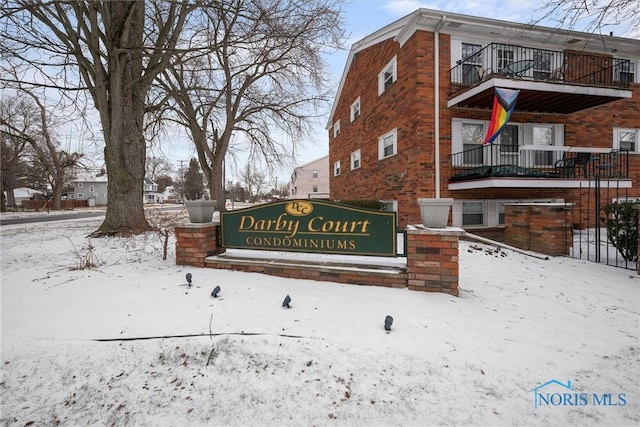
314	188
314	174
540	158
616	138
394	144
389	74
80	196
356	159
618	70
336	168
336	128
457	142
81	184
355	109
484	213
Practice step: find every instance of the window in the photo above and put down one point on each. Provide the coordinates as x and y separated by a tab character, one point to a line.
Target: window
336	129
543	136
501	204
336	168
472	213
387	76
509	145
355	159
315	189
471	63
92	188
314	174
505	57
80	195
81	184
541	64
471	53
626	139
624	70
355	109
387	145
472	138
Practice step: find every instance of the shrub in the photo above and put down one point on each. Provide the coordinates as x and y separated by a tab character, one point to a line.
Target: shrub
622	228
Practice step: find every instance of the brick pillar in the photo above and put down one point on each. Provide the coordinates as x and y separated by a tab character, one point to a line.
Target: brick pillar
432	259
195	242
540	227
516	226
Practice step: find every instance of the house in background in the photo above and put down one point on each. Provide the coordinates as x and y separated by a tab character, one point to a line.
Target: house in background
415	99
311	180
90	186
170	195
151	193
24	193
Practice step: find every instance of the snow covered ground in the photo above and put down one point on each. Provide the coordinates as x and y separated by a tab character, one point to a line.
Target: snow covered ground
519	323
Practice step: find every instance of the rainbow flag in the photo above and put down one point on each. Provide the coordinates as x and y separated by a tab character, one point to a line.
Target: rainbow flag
504	103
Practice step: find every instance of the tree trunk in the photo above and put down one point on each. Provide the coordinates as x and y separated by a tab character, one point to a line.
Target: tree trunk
125	146
215	185
57	195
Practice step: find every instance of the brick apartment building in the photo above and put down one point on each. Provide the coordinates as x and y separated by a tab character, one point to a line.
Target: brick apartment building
415	101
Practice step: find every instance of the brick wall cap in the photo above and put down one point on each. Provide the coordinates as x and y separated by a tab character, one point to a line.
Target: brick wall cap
448	231
197	225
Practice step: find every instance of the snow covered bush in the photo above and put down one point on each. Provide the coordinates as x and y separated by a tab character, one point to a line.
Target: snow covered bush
622	228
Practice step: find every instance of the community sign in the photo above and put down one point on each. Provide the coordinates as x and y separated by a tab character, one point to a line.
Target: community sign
307	225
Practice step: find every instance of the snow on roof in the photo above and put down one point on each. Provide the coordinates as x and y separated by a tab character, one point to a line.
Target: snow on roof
24	192
93	176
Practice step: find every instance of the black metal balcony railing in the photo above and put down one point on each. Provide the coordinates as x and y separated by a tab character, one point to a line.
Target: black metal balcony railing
531	161
565	67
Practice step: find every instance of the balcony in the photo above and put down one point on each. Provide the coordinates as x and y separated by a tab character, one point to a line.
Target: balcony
532	166
559	82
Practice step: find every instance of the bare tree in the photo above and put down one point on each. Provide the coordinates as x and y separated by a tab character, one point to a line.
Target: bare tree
31	122
12	167
591	15
158	167
254	181
113	50
263	77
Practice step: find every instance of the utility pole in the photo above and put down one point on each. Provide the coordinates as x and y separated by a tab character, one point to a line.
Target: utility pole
182	180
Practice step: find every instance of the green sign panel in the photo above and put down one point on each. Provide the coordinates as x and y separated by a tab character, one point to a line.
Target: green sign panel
310	226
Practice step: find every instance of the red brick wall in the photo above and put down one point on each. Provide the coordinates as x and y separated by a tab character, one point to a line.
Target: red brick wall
409	106
432	260
540	228
195	242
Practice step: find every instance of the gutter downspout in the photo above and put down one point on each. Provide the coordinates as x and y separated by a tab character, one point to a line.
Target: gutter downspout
436	96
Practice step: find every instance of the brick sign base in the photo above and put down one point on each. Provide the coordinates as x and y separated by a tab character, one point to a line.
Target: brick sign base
432	260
